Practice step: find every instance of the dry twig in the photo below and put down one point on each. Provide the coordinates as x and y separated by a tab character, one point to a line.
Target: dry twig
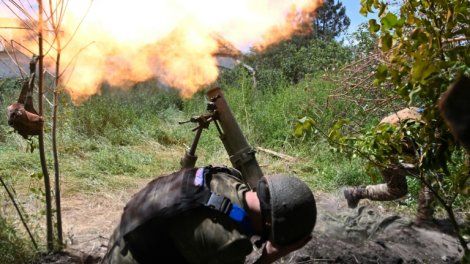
277	154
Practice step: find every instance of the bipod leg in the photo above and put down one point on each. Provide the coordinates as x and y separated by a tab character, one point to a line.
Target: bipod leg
190	158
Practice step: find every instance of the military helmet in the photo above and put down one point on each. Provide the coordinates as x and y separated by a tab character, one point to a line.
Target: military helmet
287	203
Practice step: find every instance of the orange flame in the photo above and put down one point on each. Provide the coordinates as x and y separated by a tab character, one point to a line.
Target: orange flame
122	42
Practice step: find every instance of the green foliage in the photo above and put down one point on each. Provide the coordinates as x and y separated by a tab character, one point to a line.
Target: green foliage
364	40
8	85
14	248
304	127
423	62
290	62
383	145
306	54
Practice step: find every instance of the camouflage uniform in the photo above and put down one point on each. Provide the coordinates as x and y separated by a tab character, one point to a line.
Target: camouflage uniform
200	235
395	185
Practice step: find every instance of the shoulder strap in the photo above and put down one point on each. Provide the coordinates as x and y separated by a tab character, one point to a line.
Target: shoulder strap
236	213
221	203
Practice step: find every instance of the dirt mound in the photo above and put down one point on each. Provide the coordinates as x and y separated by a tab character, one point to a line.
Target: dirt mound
371	235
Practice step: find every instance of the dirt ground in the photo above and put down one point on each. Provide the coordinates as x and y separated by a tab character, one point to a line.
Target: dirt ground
368	234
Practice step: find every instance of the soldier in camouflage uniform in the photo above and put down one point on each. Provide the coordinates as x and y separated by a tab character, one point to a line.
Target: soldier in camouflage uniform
394	176
209	234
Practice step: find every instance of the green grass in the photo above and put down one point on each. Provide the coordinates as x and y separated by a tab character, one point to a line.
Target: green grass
14	249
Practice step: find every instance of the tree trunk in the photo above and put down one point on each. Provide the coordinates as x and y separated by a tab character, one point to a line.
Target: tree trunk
54	152
56	27
47	184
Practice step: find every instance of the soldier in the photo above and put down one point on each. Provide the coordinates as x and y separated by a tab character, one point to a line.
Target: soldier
209	215
395	185
455	110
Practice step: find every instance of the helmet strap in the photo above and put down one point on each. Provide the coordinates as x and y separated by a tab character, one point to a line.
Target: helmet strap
265	206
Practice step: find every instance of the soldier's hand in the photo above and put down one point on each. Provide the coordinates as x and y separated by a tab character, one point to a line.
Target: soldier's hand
273	252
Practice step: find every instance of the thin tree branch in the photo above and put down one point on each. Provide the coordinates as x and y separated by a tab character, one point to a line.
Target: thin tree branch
12	198
56	28
47	185
74	58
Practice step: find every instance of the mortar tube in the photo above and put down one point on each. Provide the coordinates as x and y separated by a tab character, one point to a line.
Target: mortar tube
242	155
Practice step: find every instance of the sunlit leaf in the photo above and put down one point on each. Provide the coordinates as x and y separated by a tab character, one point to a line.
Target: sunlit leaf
373	26
389	21
381	73
422	70
386	42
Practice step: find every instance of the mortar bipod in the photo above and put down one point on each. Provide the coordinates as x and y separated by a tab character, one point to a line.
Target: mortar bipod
203	121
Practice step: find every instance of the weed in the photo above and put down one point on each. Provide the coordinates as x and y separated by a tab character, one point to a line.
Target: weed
14	248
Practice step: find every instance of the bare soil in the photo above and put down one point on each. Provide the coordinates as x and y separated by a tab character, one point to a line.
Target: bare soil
369	234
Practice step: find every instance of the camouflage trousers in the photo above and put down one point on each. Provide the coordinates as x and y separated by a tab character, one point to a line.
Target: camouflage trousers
395	187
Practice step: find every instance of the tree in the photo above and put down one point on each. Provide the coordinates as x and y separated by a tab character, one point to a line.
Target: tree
330	20
292	61
363	41
425	48
45	172
48	38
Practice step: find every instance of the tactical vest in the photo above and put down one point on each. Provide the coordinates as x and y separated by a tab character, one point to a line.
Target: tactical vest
145	216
